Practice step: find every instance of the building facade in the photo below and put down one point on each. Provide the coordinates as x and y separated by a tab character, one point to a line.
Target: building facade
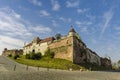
69	47
37	45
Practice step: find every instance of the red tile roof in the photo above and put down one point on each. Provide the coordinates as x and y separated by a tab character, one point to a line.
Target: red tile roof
28	45
42	41
47	39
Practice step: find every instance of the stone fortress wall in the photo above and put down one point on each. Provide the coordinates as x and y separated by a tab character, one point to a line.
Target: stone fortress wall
72	48
69	47
13	52
63	48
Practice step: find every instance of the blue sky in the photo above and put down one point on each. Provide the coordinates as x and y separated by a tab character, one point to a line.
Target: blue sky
97	22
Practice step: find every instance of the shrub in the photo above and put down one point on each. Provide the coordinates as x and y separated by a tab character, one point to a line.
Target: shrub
37	56
16	56
10	55
49	53
27	56
34	56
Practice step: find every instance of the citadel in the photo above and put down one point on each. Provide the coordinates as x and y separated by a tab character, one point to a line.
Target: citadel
69	47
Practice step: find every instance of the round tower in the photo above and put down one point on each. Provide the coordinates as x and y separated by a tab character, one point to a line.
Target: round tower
72	32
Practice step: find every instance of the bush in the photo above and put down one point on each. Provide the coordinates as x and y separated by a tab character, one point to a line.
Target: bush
34	56
27	56
37	56
10	55
16	56
49	53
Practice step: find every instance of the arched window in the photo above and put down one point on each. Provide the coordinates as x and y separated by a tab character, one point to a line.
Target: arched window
33	51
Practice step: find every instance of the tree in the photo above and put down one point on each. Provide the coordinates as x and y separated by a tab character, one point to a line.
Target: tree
114	66
27	56
16	56
58	36
118	64
49	53
10	55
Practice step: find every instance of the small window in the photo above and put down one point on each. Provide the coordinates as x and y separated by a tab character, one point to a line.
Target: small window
67	42
33	51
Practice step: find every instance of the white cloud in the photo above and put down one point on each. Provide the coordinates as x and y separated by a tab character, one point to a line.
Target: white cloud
36	2
82	10
79	10
78	23
11	26
14	30
41	29
11	41
55	5
44	13
54	23
91	17
117	28
84	29
84	23
107	17
65	19
11	23
72	3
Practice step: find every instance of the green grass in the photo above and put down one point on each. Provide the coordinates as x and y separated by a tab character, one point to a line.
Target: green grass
54	63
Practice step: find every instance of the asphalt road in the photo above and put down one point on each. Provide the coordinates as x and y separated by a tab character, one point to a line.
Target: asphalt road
8	64
7	73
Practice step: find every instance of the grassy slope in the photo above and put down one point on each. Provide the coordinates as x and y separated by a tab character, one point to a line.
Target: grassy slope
57	64
51	63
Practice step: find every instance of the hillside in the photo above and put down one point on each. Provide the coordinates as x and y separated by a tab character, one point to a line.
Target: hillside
54	63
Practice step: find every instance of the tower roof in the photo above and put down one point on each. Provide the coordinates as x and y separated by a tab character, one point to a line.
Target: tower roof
72	30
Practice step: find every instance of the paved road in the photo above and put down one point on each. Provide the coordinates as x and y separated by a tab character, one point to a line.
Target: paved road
7	73
7	64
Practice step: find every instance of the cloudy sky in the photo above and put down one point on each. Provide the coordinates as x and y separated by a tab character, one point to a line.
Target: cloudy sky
97	22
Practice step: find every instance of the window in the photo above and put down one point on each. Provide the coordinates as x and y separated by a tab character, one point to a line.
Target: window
67	42
33	51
